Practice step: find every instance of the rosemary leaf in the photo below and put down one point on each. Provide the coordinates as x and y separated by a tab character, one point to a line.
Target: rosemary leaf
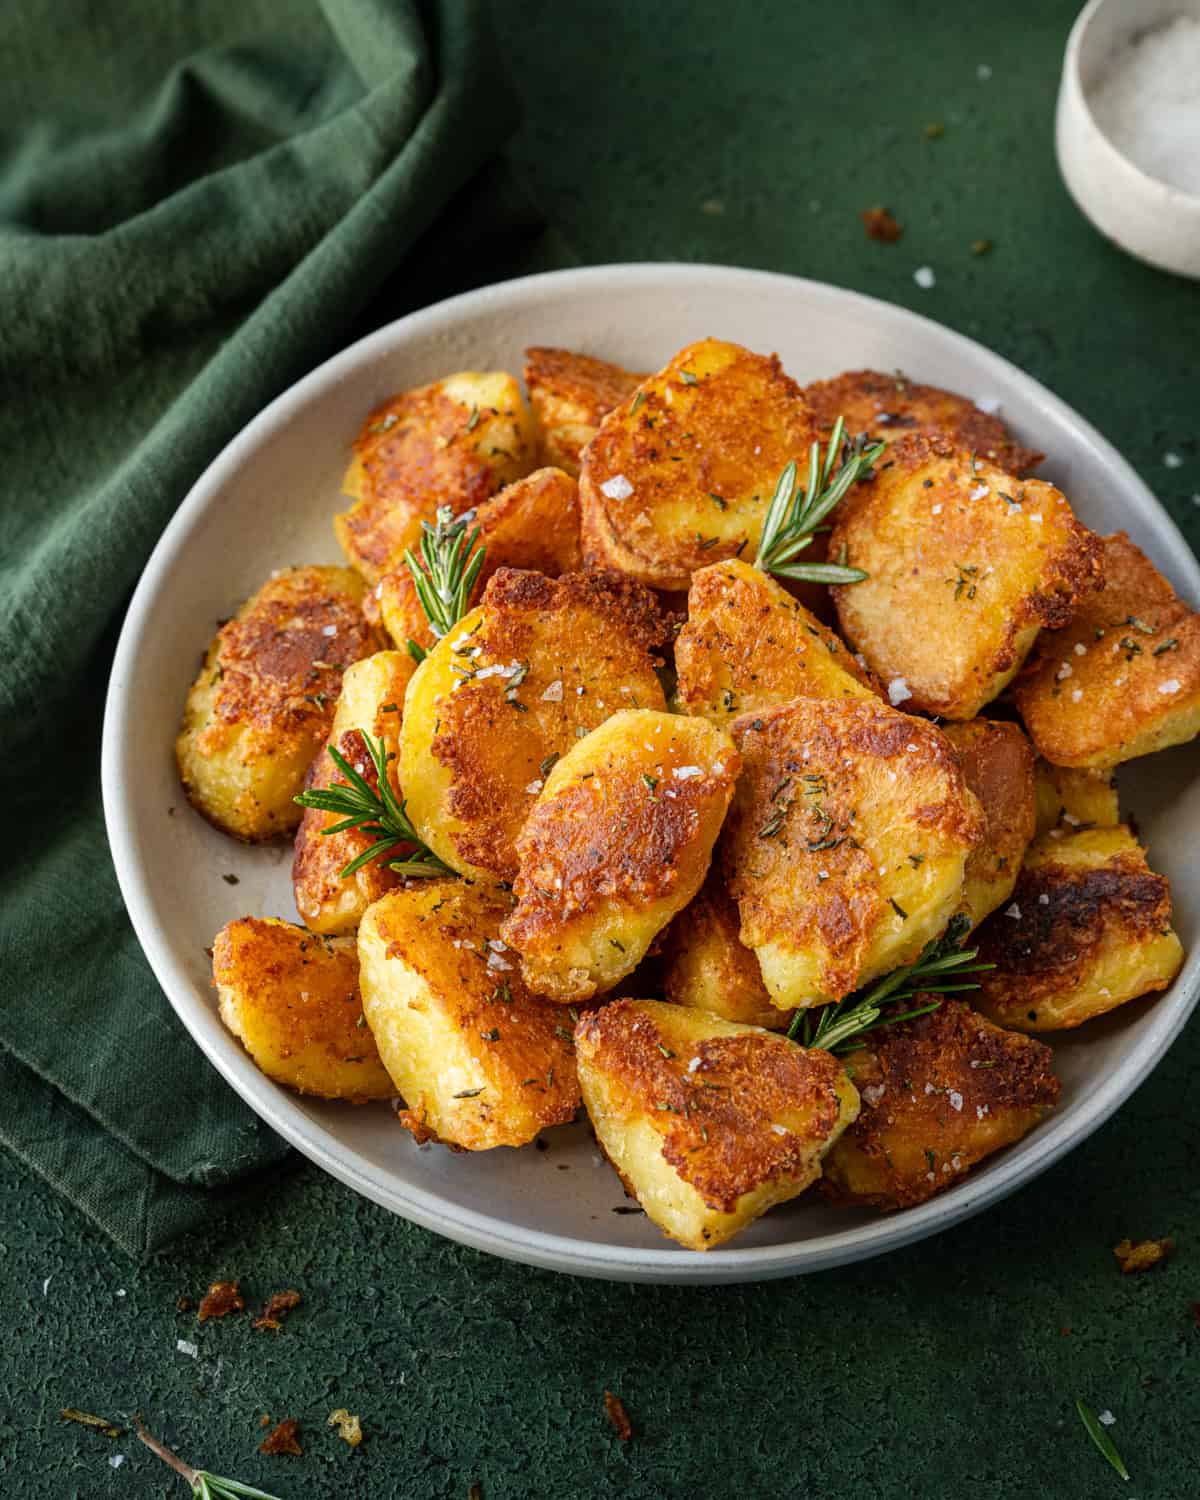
446	570
1101	1438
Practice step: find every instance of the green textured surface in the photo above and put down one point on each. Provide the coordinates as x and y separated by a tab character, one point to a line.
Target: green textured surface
944	1370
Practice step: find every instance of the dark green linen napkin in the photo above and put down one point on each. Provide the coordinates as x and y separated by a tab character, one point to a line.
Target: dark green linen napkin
197	203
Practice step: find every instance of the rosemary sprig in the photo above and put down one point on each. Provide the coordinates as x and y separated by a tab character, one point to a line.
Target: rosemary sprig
1101	1438
795	515
204	1486
446	571
378	813
937	971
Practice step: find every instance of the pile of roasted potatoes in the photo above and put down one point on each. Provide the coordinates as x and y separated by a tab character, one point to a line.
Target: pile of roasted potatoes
664	804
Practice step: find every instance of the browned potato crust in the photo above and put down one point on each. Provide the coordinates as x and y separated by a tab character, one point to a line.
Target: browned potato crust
680	475
1069	798
1089	928
264	701
997	762
293	1001
571	394
846	843
708	1124
372	702
617	843
454	443
1123	678
939	1093
537	665
708	967
965	567
531	524
892	406
479	1061
748	644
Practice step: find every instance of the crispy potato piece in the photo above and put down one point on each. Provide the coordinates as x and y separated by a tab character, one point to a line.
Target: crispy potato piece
292	1000
708	967
372	702
1088	929
997	762
532	524
617	843
892	406
535	666
939	1094
264	701
846	843
454	443
708	1124
748	645
571	394
478	1060
1076	798
680	475
1123	678
965	567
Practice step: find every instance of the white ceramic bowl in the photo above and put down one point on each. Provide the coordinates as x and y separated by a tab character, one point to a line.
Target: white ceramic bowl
267	500
1150	219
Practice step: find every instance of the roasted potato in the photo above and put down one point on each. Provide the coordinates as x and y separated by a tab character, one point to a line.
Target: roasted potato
532	524
1123	678
617	842
264	701
372	702
997	762
478	1060
708	967
681	473
846	843
1089	928
748	644
1074	798
939	1093
708	1124
571	394
453	443
292	999
892	406
965	566
534	667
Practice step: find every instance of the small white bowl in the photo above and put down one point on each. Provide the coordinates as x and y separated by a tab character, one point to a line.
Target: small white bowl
1150	219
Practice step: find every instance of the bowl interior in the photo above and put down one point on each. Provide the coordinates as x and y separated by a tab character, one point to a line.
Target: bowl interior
268	501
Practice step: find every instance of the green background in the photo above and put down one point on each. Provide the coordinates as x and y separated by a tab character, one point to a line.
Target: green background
697	131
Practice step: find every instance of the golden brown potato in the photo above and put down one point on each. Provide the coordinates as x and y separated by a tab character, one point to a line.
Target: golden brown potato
1074	798
293	1001
372	702
478	1060
708	1124
939	1093
680	475
748	645
264	701
532	524
708	967
892	406
454	443
533	668
1123	678
1089	928
965	566
997	762
618	841
571	394
846	843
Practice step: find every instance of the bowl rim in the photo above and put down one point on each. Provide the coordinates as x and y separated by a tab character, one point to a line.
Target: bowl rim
484	1231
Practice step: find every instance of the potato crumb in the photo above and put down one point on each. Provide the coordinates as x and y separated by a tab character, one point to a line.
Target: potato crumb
222	1298
1141	1256
349	1427
614	1409
285	1438
276	1310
